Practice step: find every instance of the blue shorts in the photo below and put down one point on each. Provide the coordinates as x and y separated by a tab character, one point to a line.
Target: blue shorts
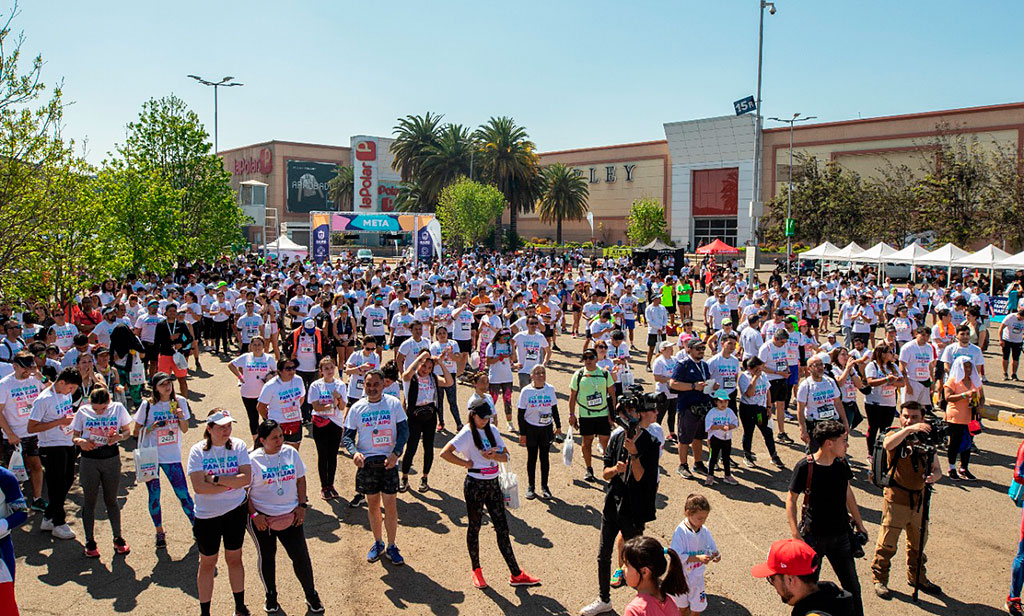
630	323
794	375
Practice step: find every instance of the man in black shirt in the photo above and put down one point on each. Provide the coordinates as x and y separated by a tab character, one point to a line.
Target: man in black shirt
792	569
173	336
829	504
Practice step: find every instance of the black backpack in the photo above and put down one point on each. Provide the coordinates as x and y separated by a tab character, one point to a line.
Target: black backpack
881	471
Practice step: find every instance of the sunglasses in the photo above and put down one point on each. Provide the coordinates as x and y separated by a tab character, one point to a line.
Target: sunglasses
288	368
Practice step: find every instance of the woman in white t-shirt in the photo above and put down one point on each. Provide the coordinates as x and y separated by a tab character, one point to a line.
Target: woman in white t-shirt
327	395
423	392
482	450
499	370
753	388
281	400
277	511
538	408
219	471
252	370
884	377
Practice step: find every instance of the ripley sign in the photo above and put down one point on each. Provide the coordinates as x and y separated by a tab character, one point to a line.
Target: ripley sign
609	173
262	164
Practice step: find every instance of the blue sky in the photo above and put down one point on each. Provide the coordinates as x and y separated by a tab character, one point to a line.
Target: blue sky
574	73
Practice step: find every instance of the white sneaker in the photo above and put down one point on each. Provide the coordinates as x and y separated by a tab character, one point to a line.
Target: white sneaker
597	607
63	532
46	525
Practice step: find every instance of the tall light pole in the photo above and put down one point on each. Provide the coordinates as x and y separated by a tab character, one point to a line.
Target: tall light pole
225	82
757	122
789	204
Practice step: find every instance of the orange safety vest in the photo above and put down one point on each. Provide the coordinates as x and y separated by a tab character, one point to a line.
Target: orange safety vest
295	341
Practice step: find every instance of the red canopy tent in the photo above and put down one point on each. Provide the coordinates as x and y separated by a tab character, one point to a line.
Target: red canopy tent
717	247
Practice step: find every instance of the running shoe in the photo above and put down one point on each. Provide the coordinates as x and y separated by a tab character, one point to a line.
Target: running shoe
393	555
63	532
314	604
672	438
967	475
423	485
783	438
121	546
684	471
953	474
530	494
478	578
748	461
357	500
1013	607
597	607
270	605
545	492
440	427
161	541
729	479
46	525
618	578
91	551
589	476
403	484
523	579
39	504
710	480
374	554
700	467
777	461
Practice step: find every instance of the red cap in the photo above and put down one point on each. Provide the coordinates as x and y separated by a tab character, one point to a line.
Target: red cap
787	557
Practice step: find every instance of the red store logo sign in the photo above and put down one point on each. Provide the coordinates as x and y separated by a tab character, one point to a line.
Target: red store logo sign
263	164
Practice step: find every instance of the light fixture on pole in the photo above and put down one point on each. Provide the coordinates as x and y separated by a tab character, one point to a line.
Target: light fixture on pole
755	210
225	82
789	203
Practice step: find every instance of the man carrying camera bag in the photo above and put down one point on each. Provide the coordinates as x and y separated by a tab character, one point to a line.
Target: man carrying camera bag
913	465
631	470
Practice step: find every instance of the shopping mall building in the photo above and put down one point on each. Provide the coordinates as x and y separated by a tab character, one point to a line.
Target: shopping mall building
702	170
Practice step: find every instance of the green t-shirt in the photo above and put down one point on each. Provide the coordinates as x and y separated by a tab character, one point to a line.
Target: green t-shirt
683	293
666	295
592	391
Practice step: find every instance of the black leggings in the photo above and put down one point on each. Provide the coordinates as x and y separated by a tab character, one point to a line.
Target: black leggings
538	445
957	434
422	426
668	406
59	464
480	493
879	418
252	413
220	335
723	448
751	416
327	440
294	541
307	380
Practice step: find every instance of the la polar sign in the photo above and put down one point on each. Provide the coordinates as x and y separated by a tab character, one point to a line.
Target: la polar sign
263	163
364	152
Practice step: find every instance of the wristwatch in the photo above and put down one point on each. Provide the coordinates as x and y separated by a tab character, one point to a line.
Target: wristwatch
215	480
304	505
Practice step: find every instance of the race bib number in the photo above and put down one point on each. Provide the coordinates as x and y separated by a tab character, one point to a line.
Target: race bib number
376	322
827	411
729	382
306	348
595	400
166	436
465	326
24	410
531	353
99	436
921	372
382	437
781	365
292	413
545	419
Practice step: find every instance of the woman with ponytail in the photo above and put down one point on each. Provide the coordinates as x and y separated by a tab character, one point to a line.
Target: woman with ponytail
656	573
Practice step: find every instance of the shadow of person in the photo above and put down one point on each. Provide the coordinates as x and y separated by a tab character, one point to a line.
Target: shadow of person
578	514
727	607
944	604
322	525
408	587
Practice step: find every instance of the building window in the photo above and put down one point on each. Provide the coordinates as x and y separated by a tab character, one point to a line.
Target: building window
715	192
707	230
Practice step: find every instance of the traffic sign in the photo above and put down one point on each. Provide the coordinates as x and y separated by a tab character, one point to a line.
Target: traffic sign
744	105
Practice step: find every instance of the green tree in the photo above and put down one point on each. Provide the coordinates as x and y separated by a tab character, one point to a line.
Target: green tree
564	195
414	136
340	187
828	203
467	211
410	198
954	194
892	210
1006	198
168	138
445	161
508	159
646	222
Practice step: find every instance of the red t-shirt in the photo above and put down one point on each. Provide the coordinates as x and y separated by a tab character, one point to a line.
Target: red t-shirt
646	605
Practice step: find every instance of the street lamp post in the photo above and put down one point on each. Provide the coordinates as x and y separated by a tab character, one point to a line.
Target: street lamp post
227	83
757	120
789	203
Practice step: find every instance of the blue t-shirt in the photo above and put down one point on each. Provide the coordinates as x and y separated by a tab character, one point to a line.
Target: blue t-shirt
689	371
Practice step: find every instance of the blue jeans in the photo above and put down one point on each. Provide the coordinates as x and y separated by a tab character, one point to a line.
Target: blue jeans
1017	574
452	394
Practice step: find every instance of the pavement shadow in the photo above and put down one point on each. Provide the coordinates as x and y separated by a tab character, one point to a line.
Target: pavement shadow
945	604
531	601
110	577
323	525
408	587
522	532
454	508
748	492
577	514
181	573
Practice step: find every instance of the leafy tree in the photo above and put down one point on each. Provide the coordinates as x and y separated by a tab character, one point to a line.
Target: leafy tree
508	159
564	197
340	187
410	198
414	135
467	211
954	194
1006	198
828	204
445	161
169	139
892	213
646	222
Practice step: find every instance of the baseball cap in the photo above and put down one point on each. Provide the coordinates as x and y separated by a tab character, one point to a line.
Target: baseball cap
693	343
668	344
309	324
153	301
481	409
720	394
726	321
802	322
787	557
221	418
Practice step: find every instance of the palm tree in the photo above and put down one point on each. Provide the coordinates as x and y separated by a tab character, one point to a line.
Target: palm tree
508	159
563	196
339	188
445	161
413	136
410	198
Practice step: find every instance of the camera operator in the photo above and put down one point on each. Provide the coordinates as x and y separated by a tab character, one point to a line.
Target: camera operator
911	455
631	470
792	569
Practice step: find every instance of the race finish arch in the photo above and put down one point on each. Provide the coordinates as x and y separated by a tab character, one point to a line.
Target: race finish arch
425	230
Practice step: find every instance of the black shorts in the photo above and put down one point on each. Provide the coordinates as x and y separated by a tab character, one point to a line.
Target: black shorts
1012	349
465	346
780	390
399	340
549	331
589	426
653	340
671	309
539	436
149	352
29	447
231	526
812	321
690	427
381	341
373	478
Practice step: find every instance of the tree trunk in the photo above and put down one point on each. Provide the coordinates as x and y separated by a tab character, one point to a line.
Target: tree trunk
558	231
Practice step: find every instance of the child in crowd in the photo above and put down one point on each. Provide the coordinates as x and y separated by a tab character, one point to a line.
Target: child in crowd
656	573
693	543
720	422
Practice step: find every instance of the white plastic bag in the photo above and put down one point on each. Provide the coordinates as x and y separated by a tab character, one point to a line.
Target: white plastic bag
180	362
147	463
568	446
627	379
17	465
509	483
137	376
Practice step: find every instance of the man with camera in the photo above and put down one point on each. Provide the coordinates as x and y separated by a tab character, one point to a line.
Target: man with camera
631	470
910	450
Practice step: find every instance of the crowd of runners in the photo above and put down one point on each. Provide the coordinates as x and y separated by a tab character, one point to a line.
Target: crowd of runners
364	360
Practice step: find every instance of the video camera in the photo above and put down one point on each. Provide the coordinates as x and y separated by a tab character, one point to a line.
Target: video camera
634	399
928	443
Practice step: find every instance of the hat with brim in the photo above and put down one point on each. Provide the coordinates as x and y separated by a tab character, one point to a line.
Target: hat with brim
220	418
787	557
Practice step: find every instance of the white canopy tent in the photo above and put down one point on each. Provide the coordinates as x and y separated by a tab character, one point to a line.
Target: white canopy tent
875	254
283	246
848	251
986	258
1012	263
828	250
943	256
908	255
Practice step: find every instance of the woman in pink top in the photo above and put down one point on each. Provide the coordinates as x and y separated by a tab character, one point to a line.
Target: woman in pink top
655	572
965	396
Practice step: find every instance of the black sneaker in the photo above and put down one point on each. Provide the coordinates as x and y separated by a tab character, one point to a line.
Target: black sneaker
967	475
748	460
314	604
590	476
271	606
684	471
545	492
700	467
39	504
783	438
403	484
161	541
530	494
1013	607
777	461
357	500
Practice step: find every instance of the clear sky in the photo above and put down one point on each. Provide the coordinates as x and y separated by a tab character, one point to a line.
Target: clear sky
574	73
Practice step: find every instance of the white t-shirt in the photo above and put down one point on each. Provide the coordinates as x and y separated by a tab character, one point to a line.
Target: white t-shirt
161	428
376	425
686	543
538	404
917	357
819	396
51	406
760	397
463	325
323	392
254	372
376	320
17	398
438	349
774	357
305	352
218	461
725	371
355	381
100	427
410	349
102	331
249	326
501	371
274	485
463	443
884	395
283	400
400	324
951	352
529	349
66	335
664	367
1013	329
718	418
